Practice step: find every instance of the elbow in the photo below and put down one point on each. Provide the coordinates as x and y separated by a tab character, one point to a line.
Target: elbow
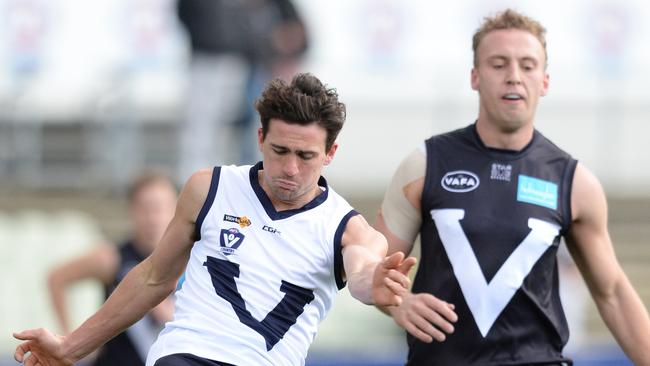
55	282
169	288
160	282
609	292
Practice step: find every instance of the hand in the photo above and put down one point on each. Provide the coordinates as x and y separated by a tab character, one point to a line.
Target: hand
45	347
425	316
390	279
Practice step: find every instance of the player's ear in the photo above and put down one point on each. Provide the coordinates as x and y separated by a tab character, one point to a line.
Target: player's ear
545	84
330	154
260	138
474	79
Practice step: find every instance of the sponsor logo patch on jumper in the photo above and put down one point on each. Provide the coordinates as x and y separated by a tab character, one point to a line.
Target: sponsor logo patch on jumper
243	221
501	172
271	229
537	192
460	181
230	240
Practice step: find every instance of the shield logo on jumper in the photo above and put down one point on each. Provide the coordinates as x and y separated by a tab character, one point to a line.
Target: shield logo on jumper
230	239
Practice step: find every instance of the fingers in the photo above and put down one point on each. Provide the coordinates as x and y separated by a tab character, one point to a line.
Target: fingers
406	265
397	261
435	322
32	360
22	348
426	332
397	289
393	260
398	277
440	307
426	317
27	334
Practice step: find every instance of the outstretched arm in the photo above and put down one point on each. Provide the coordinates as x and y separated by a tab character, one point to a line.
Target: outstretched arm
143	288
372	277
591	247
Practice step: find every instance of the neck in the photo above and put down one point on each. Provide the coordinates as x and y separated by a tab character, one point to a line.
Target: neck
499	138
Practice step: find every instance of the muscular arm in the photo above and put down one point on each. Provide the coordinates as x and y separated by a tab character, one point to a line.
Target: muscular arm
423	315
591	247
144	287
373	279
399	217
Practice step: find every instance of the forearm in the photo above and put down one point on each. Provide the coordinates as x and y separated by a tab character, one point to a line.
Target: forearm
360	283
57	296
132	299
627	319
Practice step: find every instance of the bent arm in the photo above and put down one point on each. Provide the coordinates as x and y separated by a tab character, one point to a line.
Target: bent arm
591	247
399	216
150	282
99	264
422	315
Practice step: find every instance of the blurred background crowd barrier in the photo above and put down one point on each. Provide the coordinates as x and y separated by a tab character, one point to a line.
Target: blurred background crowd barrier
92	92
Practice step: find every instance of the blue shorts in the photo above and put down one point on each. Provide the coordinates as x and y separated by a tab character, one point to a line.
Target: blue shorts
186	359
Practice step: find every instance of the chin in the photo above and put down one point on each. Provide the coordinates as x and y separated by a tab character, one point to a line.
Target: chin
512	125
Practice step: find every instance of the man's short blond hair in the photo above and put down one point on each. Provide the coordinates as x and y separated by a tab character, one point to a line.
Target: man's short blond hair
509	19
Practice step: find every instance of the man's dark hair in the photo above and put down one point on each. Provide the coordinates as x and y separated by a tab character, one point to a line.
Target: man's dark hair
304	101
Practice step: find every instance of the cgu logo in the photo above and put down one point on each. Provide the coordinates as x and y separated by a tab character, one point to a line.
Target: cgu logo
460	181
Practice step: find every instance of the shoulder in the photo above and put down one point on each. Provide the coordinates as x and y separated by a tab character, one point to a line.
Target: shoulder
358	230
587	195
414	164
195	192
545	143
408	179
463	134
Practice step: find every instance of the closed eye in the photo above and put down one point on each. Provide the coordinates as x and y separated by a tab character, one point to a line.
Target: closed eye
306	155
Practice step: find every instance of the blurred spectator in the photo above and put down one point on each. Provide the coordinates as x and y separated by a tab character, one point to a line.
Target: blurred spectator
152	202
236	46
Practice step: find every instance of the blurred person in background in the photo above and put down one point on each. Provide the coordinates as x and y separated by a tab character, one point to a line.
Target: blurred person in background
269	241
236	47
491	202
152	199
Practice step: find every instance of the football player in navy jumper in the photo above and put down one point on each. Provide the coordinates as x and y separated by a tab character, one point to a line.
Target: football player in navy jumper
491	202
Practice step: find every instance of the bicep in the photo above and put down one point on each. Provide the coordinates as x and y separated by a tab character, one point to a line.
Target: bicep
395	243
168	260
399	218
361	244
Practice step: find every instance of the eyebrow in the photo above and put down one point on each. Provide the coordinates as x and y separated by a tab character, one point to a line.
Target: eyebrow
278	146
